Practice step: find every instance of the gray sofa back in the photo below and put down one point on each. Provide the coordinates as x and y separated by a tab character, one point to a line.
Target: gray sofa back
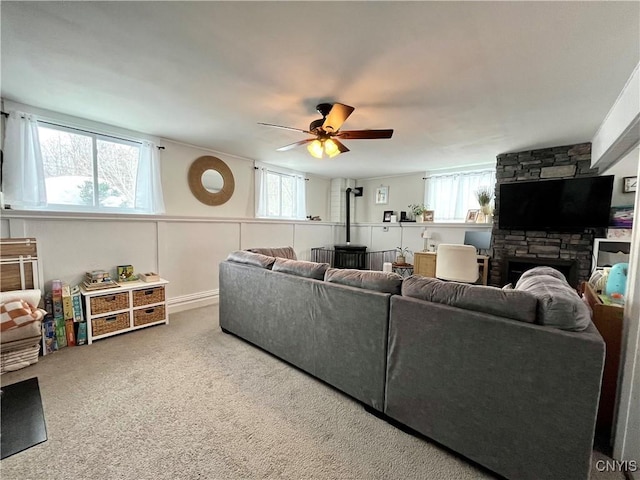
335	332
464	365
516	397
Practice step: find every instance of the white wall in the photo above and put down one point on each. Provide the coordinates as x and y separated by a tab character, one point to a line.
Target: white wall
627	167
403	191
627	435
388	236
176	159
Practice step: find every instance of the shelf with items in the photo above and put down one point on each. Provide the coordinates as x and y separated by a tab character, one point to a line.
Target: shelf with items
130	306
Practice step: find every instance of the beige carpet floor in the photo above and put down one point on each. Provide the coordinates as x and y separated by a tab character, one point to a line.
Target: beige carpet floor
186	401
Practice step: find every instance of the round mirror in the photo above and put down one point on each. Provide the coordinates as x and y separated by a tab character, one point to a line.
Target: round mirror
211	180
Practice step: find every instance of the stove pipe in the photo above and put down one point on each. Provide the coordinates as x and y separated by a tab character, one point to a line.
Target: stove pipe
348	216
357	192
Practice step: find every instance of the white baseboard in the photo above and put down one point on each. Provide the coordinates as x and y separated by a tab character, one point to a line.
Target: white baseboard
192	300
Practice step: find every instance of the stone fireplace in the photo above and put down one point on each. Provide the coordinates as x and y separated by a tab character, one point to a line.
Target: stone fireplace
514	267
515	251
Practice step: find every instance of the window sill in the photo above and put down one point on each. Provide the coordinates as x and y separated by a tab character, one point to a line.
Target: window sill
58	215
464	225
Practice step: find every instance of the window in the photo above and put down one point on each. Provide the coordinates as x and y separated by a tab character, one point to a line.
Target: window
56	167
87	169
451	195
279	193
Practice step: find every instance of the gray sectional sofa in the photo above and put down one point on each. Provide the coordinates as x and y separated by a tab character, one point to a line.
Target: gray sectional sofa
509	378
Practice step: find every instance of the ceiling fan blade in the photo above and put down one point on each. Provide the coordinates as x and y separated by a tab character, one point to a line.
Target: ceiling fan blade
338	114
285	128
341	146
294	145
364	134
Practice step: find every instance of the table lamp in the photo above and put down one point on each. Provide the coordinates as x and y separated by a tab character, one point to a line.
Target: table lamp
426	234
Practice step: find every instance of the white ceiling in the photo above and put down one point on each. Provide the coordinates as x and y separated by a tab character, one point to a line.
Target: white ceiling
460	82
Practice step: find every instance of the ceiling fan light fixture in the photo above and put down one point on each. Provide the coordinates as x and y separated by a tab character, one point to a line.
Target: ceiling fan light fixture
315	149
330	148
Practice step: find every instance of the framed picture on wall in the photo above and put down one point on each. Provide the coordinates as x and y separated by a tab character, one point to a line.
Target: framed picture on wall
629	184
382	195
387	215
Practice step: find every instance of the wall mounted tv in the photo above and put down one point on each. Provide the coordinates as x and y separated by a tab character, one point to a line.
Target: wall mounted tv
557	205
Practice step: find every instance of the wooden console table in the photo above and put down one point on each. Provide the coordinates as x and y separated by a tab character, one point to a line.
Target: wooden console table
608	319
425	265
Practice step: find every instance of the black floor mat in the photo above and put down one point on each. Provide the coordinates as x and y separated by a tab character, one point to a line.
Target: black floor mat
22	421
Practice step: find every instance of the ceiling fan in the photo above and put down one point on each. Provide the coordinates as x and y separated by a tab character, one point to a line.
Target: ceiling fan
327	132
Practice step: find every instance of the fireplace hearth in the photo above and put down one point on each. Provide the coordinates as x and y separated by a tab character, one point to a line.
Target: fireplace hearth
514	267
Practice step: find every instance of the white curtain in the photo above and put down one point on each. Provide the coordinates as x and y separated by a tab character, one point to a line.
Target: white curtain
262	194
300	207
149	198
261	190
23	175
452	195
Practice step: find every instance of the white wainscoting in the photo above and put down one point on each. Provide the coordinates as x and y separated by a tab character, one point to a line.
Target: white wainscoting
187	250
184	250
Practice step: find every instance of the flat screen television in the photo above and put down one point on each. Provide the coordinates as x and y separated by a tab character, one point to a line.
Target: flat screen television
557	205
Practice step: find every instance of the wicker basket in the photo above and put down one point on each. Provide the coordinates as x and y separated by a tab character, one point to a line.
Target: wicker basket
112	323
148	315
148	296
109	303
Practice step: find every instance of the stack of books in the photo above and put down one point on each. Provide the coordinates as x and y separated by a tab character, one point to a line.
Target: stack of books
98	280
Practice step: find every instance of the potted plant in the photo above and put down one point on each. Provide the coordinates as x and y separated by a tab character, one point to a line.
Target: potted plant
418	210
484	196
401	258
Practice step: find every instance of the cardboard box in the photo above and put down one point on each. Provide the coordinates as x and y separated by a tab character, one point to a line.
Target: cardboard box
81	335
71	335
49	343
76	300
67	305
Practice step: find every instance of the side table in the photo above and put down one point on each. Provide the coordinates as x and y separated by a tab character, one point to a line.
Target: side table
404	270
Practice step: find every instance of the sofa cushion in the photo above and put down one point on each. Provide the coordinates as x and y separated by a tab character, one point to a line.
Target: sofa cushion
558	304
385	282
301	268
504	303
280	252
250	258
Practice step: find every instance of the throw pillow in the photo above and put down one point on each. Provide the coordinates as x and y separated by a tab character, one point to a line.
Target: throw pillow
18	313
31	296
385	282
558	304
280	252
301	268
495	301
249	258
